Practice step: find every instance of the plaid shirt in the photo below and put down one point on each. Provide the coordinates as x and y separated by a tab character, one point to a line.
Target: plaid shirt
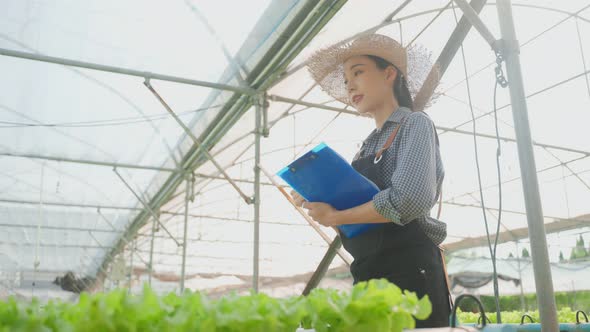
414	169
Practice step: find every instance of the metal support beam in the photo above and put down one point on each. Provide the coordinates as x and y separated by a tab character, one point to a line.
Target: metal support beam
559	225
539	252
130	280
307	218
452	199
508	139
474	19
396	11
446	56
77	205
123	71
198	143
151	267
102	247
146	263
59	228
322	268
147	207
89	162
119	165
261	106
123	238
263	100
55	245
523	306
213	177
171	213
457	37
185	235
458	131
245	258
315	105
478	206
552	86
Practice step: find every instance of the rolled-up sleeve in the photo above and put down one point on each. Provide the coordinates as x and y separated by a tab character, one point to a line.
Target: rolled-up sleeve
413	187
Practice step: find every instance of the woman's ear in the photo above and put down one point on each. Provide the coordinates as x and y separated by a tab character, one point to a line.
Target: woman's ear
391	74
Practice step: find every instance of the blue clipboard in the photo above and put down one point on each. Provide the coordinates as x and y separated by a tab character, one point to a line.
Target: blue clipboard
322	175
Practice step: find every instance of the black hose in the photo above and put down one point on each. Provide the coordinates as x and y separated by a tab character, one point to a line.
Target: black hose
481	318
525	316
458	300
578	316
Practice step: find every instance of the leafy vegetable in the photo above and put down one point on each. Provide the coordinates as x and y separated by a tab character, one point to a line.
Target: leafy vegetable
376	305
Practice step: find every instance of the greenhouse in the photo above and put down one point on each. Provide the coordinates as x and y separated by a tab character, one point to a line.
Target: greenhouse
140	144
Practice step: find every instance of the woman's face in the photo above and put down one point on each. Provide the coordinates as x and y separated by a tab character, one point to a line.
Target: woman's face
369	87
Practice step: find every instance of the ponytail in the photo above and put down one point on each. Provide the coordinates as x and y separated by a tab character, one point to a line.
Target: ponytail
401	92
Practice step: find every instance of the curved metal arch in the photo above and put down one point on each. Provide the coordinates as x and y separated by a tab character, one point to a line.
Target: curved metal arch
289	72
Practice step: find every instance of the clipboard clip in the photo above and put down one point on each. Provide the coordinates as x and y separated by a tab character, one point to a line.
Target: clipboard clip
308	156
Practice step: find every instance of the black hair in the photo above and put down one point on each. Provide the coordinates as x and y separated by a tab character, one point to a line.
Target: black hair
400	85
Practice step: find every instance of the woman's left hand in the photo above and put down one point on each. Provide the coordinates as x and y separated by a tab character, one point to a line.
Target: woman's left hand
323	213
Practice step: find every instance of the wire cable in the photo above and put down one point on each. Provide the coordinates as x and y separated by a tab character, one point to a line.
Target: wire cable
102	123
500	80
473	122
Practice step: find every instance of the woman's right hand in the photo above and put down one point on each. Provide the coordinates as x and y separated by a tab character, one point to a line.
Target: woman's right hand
297	199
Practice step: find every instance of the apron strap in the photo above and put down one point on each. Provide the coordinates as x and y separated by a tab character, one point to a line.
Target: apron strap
387	144
392	137
442	257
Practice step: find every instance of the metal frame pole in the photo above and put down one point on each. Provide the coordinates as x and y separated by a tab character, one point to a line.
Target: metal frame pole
447	54
90	162
477	23
197	142
539	252
150	210
151	270
118	165
308	104
130	280
442	128
261	107
123	238
323	267
184	239
312	223
85	206
523	306
124	71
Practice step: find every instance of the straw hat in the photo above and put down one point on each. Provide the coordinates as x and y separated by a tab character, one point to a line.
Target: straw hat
326	66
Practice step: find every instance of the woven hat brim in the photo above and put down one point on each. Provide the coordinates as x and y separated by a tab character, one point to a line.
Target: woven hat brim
327	69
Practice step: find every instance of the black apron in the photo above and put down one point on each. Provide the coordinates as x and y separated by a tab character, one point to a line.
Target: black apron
404	255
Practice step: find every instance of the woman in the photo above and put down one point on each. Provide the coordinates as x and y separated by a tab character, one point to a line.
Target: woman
401	156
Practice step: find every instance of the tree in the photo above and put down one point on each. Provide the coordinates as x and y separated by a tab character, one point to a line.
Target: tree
579	251
510	255
525	253
561	258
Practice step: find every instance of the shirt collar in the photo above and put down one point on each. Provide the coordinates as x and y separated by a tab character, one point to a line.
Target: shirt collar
397	116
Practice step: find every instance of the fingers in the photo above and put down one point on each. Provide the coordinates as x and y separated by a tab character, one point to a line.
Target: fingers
297	199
